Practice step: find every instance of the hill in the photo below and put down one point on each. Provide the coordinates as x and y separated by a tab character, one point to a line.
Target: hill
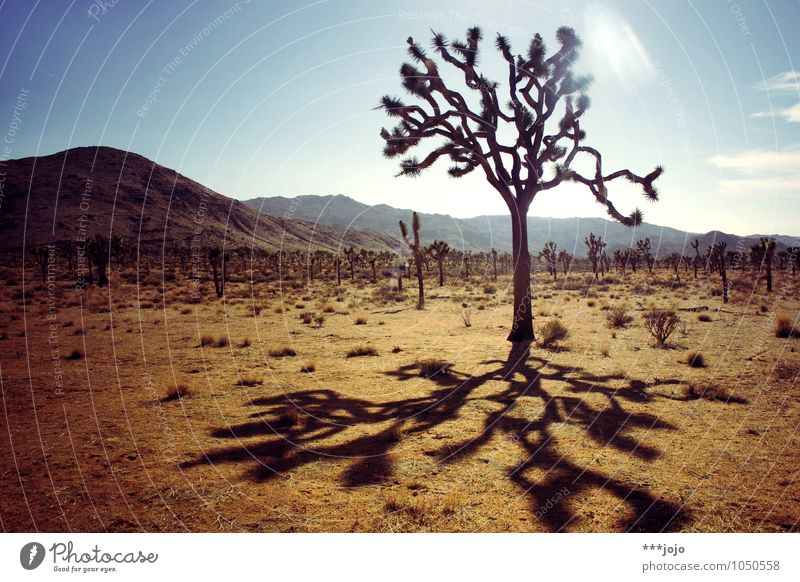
109	191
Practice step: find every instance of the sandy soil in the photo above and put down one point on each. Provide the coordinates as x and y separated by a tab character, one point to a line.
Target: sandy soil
601	433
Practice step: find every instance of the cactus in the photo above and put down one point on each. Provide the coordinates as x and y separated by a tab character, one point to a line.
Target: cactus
416	249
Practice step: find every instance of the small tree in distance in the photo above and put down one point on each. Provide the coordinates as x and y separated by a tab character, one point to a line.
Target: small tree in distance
417	250
543	107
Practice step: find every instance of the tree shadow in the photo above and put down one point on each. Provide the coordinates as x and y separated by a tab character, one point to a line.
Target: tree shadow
364	433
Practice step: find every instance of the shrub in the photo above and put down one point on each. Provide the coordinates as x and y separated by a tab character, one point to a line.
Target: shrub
361	320
206	340
397	350
328	308
319	320
784	327
362	351
704	318
695	359
661	323
551	333
309	367
489	289
618	317
284	352
178	392
221	342
307	317
75	355
434	367
245	343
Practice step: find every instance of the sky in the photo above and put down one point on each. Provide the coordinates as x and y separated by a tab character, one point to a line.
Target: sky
266	98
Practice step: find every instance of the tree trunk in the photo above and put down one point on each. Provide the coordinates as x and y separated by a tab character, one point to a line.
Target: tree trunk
522	323
769	277
441	273
420	282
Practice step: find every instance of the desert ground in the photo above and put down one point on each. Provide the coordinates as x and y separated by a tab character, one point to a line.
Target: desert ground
290	405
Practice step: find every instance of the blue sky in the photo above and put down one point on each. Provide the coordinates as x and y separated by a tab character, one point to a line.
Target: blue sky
276	98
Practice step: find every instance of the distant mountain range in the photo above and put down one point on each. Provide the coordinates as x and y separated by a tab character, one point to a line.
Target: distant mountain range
487	232
112	192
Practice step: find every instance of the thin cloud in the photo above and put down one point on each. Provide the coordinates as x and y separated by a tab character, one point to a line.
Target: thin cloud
760	174
786	81
790	114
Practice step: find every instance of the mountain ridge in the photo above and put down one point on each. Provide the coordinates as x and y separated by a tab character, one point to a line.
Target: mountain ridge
482	233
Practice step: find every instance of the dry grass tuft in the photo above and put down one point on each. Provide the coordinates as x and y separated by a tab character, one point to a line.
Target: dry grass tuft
361	320
249	381
283	352
178	392
695	359
309	367
360	351
75	355
707	390
784	327
434	367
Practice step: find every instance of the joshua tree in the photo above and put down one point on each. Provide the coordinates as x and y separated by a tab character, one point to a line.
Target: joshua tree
717	257
40	255
494	263
97	249
438	251
352	260
645	251
417	251
218	261
338	265
539	89
595	246
696	262
763	254
566	261
550	254
794	258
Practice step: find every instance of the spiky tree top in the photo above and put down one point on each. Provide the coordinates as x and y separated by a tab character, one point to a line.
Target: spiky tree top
540	158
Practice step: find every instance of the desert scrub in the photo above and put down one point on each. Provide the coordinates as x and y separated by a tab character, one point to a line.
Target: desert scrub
361	320
618	317
551	333
309	367
661	323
